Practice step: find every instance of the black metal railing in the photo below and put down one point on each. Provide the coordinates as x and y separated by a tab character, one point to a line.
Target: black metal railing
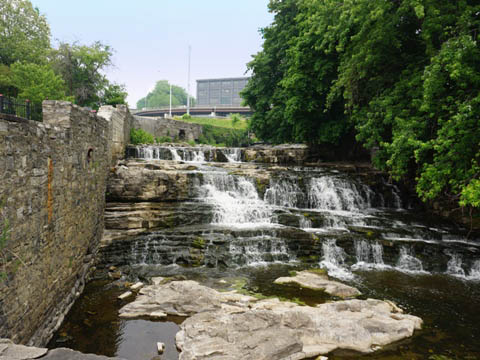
20	108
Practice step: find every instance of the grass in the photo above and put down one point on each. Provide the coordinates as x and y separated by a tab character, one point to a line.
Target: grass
221	122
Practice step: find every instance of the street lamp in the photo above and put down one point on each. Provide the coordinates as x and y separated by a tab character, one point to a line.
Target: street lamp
188	83
170	112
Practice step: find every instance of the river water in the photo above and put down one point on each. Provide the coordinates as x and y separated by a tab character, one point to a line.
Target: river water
356	225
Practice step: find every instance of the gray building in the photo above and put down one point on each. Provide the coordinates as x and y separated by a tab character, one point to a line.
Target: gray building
220	92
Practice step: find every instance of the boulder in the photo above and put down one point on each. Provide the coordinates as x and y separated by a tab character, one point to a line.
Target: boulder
318	281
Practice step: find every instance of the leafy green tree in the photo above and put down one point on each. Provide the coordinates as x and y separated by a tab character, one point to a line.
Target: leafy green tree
24	33
37	82
114	94
82	68
403	75
264	92
6	85
160	96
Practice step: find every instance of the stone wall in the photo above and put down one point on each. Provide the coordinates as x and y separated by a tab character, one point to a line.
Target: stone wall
168	127
52	197
121	121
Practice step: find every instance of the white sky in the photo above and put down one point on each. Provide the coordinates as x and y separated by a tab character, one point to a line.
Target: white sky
151	37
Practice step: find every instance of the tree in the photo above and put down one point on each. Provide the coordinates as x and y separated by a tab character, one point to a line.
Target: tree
404	75
160	96
114	94
24	33
37	82
264	92
81	68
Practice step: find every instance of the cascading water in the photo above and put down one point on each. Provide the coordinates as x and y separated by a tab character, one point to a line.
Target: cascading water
408	262
284	192
474	273
334	260
175	155
318	201
259	251
454	265
235	201
332	193
233	155
305	223
368	255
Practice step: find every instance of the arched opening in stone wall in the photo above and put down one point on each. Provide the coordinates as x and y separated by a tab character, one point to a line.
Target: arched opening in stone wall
181	134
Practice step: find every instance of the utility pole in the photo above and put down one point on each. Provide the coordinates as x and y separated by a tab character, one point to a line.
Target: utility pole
188	83
170	112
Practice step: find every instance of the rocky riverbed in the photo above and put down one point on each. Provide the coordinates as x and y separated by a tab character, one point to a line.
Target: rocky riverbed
228	325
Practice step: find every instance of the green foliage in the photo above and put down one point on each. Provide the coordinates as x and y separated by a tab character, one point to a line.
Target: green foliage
82	69
186	117
27	60
214	135
37	82
403	75
471	194
140	136
24	33
160	96
236	119
219	122
163	139
114	94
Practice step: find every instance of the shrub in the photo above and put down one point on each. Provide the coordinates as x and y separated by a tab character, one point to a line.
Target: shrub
163	139
140	136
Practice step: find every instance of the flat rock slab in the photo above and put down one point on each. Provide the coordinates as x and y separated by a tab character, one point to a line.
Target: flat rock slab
233	326
11	351
314	281
181	298
271	329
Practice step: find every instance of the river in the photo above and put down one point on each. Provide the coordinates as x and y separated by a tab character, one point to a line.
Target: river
249	224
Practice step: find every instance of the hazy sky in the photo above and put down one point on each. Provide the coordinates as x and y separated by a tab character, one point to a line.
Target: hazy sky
151	37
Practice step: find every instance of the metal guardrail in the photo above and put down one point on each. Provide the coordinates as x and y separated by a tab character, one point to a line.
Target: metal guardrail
20	108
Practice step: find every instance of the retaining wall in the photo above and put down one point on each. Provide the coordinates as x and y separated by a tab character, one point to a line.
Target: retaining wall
53	199
167	127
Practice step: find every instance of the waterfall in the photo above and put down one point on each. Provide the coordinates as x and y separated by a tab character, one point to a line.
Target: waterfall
368	255
377	254
259	252
408	262
305	223
362	250
175	155
284	192
198	157
454	265
475	271
332	193
235	200
233	155
334	260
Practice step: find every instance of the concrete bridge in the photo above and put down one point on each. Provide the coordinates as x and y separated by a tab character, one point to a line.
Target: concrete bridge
195	111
